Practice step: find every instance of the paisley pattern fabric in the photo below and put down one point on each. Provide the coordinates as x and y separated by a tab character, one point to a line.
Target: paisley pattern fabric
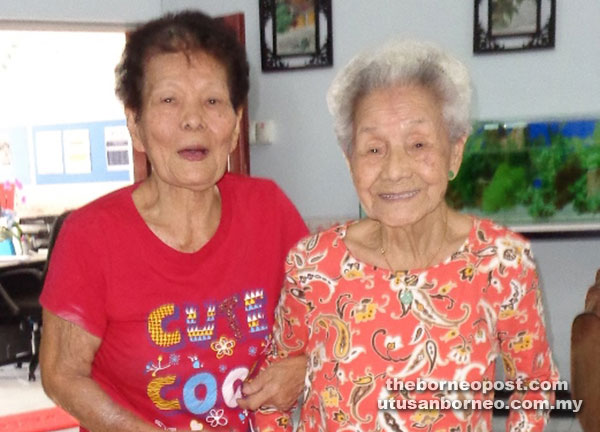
361	326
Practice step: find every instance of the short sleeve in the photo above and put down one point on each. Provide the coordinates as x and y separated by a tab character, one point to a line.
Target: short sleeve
293	226
523	341
290	331
290	339
75	288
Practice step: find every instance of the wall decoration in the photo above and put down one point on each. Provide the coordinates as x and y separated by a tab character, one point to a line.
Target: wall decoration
533	177
68	153
49	152
117	143
295	34
510	25
77	151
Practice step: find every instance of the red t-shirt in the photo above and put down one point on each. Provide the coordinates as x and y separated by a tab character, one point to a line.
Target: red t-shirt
180	331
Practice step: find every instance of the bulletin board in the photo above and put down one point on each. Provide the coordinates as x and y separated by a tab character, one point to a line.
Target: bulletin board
81	152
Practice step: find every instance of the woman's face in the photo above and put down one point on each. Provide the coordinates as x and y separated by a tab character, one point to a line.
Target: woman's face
401	154
187	126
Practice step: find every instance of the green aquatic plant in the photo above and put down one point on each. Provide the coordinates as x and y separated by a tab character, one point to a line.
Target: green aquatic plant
541	207
505	167
550	163
505	189
582	201
466	189
586	197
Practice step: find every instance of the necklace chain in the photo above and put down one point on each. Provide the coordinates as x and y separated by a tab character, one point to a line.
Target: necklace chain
382	249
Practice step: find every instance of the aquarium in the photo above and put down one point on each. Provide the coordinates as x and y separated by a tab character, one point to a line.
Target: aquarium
532	176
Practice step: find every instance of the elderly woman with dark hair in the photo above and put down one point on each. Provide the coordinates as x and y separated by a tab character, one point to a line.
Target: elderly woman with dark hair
159	297
414	291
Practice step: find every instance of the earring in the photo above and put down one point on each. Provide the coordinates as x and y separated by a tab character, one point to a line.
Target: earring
451	175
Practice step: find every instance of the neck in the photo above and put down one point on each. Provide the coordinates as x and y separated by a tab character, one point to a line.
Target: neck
418	245
182	218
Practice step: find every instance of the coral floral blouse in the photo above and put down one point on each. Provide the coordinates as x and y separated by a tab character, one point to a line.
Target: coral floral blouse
362	326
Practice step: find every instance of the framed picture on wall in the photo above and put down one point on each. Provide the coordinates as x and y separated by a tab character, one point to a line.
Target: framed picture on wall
295	34
511	25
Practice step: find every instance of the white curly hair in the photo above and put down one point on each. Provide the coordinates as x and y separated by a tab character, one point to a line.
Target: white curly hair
397	63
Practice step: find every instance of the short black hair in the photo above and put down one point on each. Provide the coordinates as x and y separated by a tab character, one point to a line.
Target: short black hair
185	32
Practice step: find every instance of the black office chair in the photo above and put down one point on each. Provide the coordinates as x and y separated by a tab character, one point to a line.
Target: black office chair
20	289
21	312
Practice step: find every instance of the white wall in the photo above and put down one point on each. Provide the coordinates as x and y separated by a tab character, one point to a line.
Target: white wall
305	160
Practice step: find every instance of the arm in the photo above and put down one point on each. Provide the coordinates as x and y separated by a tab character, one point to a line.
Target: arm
290	338
66	356
525	350
279	385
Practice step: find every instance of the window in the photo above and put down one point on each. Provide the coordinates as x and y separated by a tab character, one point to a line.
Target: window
62	130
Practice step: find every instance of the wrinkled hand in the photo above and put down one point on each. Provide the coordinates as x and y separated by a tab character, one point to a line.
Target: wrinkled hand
277	386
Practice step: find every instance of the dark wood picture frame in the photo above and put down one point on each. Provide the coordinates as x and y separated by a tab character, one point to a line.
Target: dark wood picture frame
295	34
513	25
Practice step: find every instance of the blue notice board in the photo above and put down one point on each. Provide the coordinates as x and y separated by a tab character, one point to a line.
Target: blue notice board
99	170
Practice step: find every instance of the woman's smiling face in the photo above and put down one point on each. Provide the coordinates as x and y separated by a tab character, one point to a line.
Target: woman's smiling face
401	154
187	125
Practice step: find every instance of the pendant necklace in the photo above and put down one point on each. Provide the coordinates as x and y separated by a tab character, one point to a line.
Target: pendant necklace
407	296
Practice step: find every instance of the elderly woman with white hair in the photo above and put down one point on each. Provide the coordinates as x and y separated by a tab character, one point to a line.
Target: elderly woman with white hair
415	294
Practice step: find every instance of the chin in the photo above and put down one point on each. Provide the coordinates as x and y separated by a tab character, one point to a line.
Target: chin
397	217
200	179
